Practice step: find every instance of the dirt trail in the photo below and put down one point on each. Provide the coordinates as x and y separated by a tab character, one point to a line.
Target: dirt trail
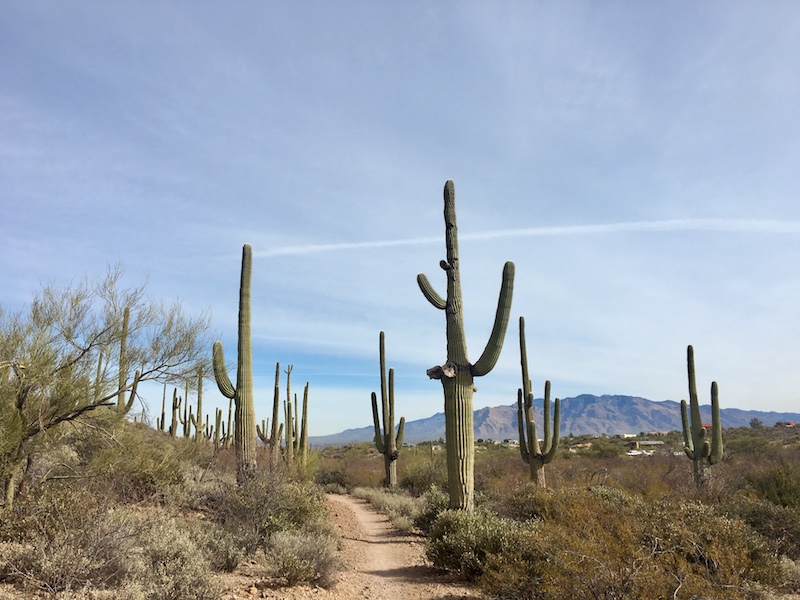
380	562
383	564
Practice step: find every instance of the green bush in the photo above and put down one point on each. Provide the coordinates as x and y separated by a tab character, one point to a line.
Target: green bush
778	524
606	543
300	558
778	484
266	505
435	501
420	469
463	542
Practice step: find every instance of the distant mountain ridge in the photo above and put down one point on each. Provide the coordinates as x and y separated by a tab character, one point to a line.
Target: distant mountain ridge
584	414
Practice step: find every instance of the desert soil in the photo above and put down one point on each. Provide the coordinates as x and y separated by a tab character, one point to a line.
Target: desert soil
380	563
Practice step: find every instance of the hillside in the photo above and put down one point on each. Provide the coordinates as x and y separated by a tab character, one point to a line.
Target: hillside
584	414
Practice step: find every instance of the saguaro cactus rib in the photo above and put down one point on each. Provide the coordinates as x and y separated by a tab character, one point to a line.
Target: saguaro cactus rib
457	373
702	451
242	394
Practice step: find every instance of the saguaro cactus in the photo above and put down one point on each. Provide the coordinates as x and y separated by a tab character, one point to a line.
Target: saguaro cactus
457	373
274	439
385	440
534	454
702	451
197	421
242	394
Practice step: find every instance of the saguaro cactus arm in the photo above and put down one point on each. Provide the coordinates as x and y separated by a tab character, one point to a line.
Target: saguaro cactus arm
221	371
376	421
716	426
491	352
427	290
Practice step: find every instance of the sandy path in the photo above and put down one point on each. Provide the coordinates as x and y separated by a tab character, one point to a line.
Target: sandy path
383	564
380	563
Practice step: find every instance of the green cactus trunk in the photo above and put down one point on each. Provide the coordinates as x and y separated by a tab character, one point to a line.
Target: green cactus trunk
275	433
302	440
124	407
242	394
161	423
385	440
197	421
457	373
702	451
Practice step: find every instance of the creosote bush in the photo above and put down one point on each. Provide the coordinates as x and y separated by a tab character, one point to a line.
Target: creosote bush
603	543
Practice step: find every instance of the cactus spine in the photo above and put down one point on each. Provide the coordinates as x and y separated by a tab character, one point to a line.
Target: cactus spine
385	441
242	394
533	454
702	451
457	374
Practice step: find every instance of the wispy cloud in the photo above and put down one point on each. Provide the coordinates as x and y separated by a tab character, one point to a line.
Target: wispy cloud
670	225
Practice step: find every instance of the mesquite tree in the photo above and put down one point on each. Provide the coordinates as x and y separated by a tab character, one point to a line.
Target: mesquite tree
457	373
57	360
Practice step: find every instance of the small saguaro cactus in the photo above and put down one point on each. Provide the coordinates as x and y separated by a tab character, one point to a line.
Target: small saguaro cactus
703	451
276	433
534	454
197	420
457	373
385	440
289	429
176	412
242	394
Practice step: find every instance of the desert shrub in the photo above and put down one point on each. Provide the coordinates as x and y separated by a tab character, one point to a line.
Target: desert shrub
302	558
266	505
171	564
398	506
435	501
332	478
779	484
64	540
419	468
779	524
603	542
463	542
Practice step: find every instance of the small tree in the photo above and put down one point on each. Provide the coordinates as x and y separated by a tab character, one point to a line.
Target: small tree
55	366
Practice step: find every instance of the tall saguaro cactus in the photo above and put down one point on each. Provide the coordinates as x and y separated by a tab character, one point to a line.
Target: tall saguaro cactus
534	454
385	440
457	373
242	394
703	451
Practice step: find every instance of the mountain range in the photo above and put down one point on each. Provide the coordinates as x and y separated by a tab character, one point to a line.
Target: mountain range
584	414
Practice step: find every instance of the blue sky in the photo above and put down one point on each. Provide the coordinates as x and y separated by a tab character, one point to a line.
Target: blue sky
639	162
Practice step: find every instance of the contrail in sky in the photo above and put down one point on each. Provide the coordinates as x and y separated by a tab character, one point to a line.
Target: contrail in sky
724	225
